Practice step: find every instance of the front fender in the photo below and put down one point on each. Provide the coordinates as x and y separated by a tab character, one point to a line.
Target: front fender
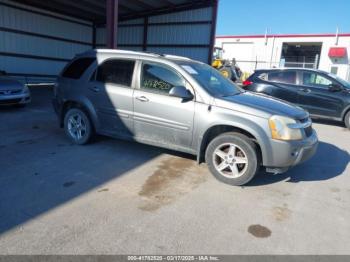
347	109
256	126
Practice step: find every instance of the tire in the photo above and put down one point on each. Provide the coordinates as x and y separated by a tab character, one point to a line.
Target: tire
244	151
347	120
78	126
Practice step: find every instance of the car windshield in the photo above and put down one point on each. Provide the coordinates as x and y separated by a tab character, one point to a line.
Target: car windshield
340	80
210	79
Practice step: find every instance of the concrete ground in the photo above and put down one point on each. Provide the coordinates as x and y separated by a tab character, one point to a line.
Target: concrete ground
115	197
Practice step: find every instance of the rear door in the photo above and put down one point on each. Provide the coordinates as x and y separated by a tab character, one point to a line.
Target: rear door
283	85
159	118
316	97
111	93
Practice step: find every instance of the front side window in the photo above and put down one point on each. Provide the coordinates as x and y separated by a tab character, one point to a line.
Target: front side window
77	68
117	72
159	79
316	80
286	77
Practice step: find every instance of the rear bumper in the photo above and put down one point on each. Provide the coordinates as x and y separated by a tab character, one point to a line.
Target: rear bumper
23	98
288	154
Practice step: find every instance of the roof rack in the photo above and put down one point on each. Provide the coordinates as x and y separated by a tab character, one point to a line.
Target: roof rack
176	57
119	51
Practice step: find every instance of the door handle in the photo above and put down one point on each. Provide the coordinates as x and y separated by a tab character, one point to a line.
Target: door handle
305	90
142	98
94	89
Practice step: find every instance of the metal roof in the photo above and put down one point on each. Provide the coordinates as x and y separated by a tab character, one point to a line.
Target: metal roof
95	10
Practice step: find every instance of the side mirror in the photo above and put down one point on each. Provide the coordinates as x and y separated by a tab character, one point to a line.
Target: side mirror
181	92
335	88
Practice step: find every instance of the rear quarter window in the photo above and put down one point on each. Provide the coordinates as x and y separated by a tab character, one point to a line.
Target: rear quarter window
262	76
77	68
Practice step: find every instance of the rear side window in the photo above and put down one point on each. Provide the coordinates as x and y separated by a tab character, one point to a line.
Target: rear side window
77	68
286	77
117	72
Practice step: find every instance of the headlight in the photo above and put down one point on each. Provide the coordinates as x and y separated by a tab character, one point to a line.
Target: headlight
283	128
25	89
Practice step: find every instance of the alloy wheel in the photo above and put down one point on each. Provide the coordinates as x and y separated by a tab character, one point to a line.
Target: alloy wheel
230	160
77	127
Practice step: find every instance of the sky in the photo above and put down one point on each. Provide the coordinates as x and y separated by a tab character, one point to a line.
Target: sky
246	17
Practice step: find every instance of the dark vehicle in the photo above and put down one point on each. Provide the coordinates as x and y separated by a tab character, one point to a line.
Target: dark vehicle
323	94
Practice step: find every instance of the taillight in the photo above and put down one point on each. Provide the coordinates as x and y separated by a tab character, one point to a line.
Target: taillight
247	83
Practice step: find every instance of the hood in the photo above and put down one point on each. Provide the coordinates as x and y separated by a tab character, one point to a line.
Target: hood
7	83
261	105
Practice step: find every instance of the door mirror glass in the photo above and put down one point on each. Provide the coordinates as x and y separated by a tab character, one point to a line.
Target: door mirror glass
181	92
335	88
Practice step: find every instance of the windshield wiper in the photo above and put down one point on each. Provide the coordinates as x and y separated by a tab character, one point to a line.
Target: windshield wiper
234	94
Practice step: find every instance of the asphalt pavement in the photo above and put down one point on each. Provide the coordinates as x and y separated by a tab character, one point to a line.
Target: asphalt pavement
116	197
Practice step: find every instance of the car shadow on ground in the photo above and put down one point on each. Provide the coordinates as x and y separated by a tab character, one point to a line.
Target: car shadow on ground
41	169
328	162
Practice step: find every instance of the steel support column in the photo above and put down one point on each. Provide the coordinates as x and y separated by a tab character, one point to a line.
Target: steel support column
213	29
112	23
145	33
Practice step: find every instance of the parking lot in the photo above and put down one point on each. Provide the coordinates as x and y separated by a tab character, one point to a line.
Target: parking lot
115	197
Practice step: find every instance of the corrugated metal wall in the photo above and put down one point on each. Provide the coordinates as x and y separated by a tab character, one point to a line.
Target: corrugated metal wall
35	44
130	35
186	33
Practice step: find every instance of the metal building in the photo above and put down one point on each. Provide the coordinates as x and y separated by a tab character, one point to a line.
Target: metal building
327	52
37	37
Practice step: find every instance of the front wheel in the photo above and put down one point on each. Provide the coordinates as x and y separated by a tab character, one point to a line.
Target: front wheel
347	120
232	158
77	126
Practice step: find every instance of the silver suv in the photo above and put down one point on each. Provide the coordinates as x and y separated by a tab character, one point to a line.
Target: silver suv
184	105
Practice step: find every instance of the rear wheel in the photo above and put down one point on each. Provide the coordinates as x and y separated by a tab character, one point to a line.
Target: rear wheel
232	158
347	120
78	126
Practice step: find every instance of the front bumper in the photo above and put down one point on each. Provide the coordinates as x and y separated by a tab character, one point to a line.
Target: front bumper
285	154
23	98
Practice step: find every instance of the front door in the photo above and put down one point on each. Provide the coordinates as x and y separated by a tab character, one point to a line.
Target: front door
316	97
111	93
159	118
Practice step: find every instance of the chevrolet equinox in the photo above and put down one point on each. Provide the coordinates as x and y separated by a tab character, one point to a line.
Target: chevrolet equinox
184	105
